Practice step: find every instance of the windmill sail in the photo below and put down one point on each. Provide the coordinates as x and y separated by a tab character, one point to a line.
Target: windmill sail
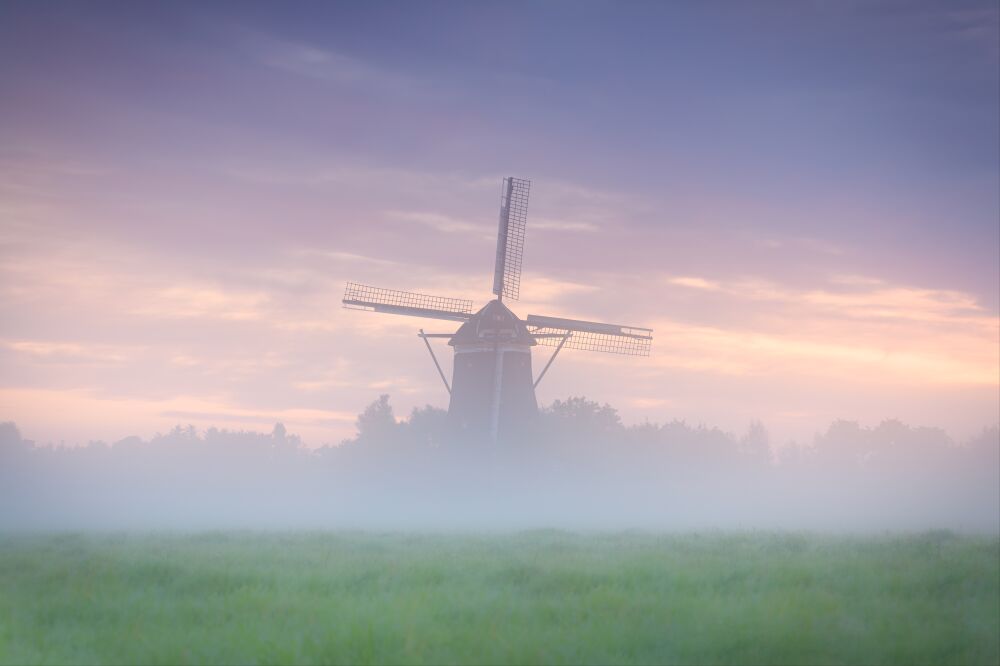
375	299
510	237
590	336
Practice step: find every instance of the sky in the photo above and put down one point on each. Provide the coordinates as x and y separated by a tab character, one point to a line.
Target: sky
801	199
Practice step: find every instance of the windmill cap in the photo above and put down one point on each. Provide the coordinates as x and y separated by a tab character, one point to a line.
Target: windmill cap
494	321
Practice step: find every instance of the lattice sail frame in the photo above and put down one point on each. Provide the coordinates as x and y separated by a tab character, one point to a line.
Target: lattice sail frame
510	237
364	297
591	336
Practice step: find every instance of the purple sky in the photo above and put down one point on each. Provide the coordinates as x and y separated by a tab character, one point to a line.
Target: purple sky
802	199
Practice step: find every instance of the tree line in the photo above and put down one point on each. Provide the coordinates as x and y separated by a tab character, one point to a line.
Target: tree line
577	467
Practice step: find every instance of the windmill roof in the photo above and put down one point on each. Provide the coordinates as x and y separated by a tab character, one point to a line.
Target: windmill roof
494	321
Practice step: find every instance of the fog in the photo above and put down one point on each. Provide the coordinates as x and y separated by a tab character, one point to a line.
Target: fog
578	467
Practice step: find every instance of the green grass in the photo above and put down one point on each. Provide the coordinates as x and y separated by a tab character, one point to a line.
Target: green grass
538	597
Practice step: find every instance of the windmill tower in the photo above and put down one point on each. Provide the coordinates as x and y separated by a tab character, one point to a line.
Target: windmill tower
492	389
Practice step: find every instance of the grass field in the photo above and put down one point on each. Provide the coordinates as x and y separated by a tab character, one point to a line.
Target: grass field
538	597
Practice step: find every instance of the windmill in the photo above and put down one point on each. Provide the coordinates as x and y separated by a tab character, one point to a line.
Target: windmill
492	390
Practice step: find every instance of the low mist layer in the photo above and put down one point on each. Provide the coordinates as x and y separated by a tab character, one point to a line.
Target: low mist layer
578	468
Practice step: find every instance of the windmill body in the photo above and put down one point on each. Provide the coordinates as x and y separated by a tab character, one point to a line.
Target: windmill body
492	380
493	388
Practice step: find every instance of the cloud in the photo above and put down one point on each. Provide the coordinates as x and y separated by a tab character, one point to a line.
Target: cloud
541	289
60	352
322	384
929	305
309	61
304	417
549	224
747	352
443	223
858	297
112	418
349	257
804	244
645	403
973	25
203	302
308	326
856	280
694	283
859	328
37	173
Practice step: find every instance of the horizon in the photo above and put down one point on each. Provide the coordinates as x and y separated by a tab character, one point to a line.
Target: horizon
756	429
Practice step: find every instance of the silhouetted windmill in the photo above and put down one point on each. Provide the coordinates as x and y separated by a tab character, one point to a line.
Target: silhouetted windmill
492	389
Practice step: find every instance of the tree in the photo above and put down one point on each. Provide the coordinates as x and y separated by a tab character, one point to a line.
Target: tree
756	443
582	414
377	422
11	443
428	425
